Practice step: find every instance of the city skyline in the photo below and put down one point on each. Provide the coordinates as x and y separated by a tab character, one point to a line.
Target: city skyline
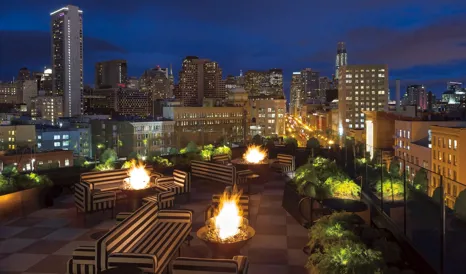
238	41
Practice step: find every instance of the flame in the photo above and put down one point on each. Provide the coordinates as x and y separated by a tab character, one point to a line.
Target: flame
255	154
229	218
138	176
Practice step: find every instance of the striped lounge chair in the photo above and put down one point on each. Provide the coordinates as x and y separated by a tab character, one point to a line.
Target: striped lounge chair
147	239
184	265
285	163
179	183
221	159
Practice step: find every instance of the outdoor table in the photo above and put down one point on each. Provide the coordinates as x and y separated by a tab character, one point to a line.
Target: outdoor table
134	197
347	205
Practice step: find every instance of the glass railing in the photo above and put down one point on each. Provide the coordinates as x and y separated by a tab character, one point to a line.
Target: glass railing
427	207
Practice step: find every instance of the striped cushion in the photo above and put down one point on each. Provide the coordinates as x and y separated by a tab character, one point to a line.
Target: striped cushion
145	262
184	265
122	215
213	171
221	158
164	199
82	261
180	182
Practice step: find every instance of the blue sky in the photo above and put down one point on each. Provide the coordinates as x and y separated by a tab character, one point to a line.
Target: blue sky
421	41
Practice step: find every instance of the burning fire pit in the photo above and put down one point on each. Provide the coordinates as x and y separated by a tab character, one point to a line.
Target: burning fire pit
137	186
228	231
254	159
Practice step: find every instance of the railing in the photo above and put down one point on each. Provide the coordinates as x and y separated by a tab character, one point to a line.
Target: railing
425	208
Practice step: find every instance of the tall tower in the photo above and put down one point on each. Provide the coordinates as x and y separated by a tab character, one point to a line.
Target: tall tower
191	81
111	73
67	57
341	58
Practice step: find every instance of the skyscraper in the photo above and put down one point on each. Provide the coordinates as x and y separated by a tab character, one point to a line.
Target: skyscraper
191	81
24	74
110	74
296	93
67	57
311	84
416	95
361	88
268	83
214	86
342	59
156	81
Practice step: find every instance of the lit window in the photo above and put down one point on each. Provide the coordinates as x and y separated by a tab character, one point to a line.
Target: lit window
66	137
56	137
66	143
39	145
39	137
67	162
455	144
56	144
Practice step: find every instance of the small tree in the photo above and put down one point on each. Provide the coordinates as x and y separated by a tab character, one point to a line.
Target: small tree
313	143
173	151
192	148
394	169
420	180
108	156
460	205
134	156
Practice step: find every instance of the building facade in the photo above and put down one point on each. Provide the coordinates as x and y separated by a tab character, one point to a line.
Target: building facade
207	125
267	115
29	161
296	93
341	59
17	136
76	139
133	102
67	57
416	95
214	85
47	107
157	82
9	93
111	74
361	88
191	81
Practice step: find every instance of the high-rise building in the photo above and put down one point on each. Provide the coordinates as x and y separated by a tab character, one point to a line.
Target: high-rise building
47	107
416	95
342	58
231	83
268	83
156	81
9	93
24	74
110	73
361	88
297	96
133	102
214	86
67	57
191	81
311	84
44	80
27	90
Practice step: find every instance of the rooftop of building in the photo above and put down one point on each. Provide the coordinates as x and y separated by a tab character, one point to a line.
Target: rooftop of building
22	151
424	142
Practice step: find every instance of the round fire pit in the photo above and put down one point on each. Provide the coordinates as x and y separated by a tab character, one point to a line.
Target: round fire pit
134	197
262	168
225	249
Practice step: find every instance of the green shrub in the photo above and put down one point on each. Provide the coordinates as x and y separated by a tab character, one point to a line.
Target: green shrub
420	181
222	150
109	155
23	181
104	166
345	188
161	162
126	164
390	189
192	148
206	154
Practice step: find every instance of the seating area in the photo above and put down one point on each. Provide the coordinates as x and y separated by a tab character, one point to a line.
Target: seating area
153	238
221	159
285	163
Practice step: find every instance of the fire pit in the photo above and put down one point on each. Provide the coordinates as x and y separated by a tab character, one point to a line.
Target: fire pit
254	159
228	231
137	186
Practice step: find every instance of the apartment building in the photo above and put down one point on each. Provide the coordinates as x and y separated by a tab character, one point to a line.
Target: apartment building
17	136
267	115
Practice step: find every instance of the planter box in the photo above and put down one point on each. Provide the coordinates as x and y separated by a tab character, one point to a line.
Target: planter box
290	203
22	202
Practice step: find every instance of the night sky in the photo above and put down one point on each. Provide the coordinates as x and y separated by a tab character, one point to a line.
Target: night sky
422	41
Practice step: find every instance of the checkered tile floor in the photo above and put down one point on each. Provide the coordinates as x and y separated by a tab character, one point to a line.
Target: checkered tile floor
43	241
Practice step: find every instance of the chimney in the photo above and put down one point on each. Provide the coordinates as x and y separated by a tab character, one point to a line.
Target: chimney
397	95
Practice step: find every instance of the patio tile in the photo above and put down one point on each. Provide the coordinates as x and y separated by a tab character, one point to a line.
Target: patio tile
266	229
35	232
52	263
53	223
271	220
269	269
296	242
47	213
272	197
28	221
20	262
296	257
267	256
107	224
10	231
296	230
272	211
14	245
43	247
272	204
67	249
89	236
268	241
66	234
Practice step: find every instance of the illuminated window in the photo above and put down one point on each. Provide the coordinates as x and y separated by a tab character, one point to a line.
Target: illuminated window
455	144
56	144
56	137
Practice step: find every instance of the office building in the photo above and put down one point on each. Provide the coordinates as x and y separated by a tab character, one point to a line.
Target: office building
276	83
17	136
111	74
157	82
191	81
447	161
361	88
297	96
9	93
47	107
267	115
24	74
341	59
101	100
133	102
269	83
311	82
67	57
214	85
207	125
416	95
44	81
254	81
126	136
27	91
76	139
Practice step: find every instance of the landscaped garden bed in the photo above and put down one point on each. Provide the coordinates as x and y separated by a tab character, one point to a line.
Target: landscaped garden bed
343	243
